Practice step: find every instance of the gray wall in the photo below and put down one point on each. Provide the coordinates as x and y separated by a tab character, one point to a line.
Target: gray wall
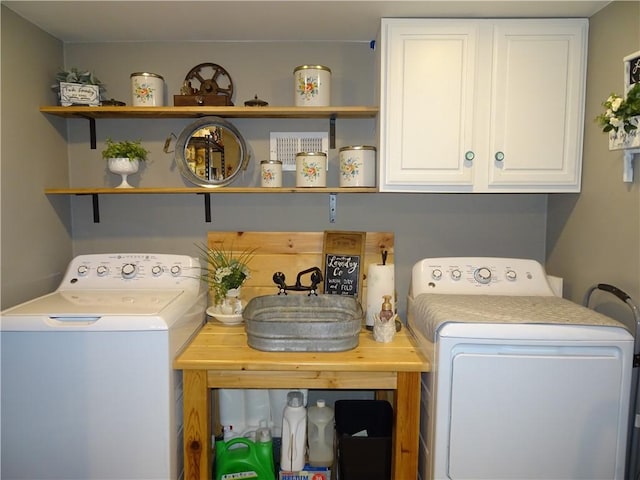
424	224
594	237
35	230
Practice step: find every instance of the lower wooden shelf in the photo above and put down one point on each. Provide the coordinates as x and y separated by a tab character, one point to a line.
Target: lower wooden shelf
206	192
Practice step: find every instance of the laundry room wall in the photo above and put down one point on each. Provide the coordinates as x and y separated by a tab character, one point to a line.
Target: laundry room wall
594	237
35	230
424	225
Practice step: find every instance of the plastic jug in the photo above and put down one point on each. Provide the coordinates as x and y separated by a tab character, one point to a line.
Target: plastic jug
320	433
294	433
243	458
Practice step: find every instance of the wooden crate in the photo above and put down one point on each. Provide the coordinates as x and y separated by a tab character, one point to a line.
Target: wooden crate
290	253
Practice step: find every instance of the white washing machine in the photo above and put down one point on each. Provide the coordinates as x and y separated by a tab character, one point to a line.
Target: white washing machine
524	385
88	388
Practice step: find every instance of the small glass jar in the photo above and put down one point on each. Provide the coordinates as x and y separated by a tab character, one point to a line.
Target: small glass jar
271	173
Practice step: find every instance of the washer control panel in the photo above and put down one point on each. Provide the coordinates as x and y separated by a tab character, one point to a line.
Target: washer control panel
131	270
479	275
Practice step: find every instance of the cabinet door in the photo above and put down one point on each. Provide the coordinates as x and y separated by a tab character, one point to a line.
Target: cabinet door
427	104
537	105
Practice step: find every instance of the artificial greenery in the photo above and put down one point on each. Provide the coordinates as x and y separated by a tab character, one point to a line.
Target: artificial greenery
75	75
620	110
225	269
125	149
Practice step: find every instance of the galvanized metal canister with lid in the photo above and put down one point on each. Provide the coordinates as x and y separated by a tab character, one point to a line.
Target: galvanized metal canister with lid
311	169
358	166
147	89
271	173
312	86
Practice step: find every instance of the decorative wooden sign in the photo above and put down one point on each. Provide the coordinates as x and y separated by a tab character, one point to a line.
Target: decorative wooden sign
79	94
631	70
343	259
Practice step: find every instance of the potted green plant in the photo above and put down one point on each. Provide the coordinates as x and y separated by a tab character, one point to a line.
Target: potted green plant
78	87
124	157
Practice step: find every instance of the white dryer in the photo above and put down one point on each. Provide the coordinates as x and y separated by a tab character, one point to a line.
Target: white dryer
524	385
88	387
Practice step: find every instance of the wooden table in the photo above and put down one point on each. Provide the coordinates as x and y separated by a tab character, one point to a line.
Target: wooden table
219	357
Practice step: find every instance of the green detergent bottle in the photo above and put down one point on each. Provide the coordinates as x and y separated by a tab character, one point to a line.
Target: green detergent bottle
247	460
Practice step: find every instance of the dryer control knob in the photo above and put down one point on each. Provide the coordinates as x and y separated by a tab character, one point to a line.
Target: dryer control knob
102	270
482	275
175	270
456	274
83	270
129	270
436	274
156	270
511	275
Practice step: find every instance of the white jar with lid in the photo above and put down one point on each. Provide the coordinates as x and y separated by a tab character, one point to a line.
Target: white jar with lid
147	89
311	169
358	166
271	173
312	86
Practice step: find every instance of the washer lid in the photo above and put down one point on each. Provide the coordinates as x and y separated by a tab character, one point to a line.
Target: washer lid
98	309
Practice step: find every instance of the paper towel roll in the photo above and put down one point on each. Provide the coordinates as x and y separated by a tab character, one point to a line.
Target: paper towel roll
380	282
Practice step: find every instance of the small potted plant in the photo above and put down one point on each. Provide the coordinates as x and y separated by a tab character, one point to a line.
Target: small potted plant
78	87
123	158
225	273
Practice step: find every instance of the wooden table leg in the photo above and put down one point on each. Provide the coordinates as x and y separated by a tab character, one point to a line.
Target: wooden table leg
406	427
197	426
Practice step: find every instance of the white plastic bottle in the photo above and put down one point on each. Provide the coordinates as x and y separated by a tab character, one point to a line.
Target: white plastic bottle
320	433
294	433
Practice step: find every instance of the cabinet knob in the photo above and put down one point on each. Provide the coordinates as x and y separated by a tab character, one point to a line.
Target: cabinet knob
499	156
469	156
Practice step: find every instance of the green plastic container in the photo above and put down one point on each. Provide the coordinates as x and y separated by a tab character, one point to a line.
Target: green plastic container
252	459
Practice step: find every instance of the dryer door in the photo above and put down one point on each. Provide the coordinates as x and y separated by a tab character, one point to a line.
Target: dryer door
537	411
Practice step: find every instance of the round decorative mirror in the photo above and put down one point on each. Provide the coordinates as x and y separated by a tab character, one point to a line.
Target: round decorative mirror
211	152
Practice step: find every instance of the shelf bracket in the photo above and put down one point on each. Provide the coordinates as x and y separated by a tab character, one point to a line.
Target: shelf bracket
332	131
96	205
92	131
207	207
332	207
627	173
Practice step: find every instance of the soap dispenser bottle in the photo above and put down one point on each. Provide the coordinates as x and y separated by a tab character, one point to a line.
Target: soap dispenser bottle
386	313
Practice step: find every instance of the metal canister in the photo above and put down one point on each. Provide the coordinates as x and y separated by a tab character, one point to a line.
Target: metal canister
311	169
147	89
271	173
312	86
358	166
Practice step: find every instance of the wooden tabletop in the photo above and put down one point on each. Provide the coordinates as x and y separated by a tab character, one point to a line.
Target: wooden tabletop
224	347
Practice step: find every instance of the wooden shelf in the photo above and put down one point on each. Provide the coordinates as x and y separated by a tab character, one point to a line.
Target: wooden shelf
206	192
196	112
93	113
223	190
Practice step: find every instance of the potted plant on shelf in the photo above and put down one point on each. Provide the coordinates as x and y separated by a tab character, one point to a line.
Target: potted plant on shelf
78	87
124	157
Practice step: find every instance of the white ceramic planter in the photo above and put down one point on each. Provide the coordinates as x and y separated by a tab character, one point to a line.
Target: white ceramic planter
123	167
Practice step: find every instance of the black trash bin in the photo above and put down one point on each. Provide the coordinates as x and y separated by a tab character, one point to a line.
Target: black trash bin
364	457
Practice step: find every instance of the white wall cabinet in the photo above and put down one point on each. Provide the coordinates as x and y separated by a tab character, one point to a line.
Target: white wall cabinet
481	105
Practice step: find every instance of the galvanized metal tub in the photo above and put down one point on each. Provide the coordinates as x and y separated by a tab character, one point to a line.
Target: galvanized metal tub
301	323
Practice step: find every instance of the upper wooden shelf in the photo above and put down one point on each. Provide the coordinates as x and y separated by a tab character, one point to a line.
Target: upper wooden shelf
182	190
195	112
